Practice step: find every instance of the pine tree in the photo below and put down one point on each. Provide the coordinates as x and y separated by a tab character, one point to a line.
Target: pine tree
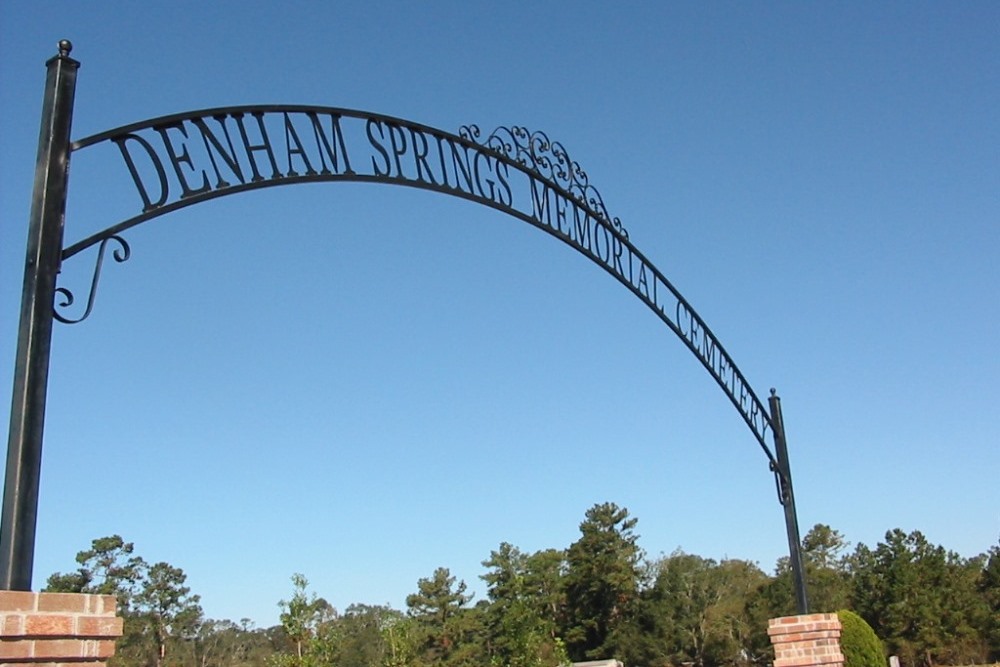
602	583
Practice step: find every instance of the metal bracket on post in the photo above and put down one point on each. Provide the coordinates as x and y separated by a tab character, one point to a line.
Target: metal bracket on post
783	476
34	336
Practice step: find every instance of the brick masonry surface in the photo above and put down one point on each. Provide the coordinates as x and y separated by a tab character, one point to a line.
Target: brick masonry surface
803	641
54	629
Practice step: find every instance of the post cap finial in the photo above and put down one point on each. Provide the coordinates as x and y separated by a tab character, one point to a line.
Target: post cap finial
774	391
65	46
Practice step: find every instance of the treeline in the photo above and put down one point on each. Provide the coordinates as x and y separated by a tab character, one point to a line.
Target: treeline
599	598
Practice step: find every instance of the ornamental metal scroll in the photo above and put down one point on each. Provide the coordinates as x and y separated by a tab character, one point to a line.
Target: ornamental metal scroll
120	254
178	160
548	159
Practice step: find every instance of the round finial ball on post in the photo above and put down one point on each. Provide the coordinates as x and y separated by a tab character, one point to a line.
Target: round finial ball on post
65	46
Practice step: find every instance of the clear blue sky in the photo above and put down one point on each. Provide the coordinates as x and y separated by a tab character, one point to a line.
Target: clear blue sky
362	383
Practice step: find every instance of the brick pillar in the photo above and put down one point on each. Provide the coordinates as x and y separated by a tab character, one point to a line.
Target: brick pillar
57	629
804	641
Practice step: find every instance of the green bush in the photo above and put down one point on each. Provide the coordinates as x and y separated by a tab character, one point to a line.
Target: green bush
858	642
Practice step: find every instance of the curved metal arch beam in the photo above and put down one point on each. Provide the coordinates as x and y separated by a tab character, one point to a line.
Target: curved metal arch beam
183	159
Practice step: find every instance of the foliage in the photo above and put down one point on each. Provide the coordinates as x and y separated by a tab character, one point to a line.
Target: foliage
445	626
228	644
166	607
399	637
858	642
602	583
827	574
701	610
921	598
363	637
989	589
160	615
107	568
600	598
302	617
525	600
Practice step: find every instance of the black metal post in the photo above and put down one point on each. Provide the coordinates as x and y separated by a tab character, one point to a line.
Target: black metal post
34	336
787	497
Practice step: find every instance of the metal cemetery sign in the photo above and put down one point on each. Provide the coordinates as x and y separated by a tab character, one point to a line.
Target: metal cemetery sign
180	160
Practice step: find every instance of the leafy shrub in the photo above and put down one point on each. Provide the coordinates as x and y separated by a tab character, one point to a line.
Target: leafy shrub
858	642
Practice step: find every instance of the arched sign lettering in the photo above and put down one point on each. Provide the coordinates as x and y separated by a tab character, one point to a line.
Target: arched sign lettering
180	160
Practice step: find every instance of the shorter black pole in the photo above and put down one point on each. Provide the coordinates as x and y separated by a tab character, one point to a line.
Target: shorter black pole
34	335
787	497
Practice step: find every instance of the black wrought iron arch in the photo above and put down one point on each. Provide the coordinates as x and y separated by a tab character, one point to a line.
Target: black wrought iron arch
557	196
183	159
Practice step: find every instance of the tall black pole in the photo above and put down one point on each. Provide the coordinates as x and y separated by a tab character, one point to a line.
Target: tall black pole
34	336
787	497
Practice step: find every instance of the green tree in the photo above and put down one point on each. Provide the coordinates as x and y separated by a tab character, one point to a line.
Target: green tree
544	575
826	563
920	599
448	630
827	573
363	637
158	610
301	618
223	643
602	583
166	607
107	568
701	611
400	635
989	590
858	642
739	627
110	567
685	591
522	631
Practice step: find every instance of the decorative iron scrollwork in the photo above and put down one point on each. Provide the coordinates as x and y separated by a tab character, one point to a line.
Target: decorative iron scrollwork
779	484
547	159
120	254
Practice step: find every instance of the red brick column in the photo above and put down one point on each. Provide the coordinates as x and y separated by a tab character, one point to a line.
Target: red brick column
803	641
57	629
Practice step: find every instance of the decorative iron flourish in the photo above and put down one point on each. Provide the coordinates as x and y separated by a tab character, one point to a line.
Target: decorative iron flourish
549	160
779	484
121	254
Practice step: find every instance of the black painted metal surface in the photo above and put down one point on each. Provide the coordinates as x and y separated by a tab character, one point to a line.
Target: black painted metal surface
786	496
183	159
31	370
